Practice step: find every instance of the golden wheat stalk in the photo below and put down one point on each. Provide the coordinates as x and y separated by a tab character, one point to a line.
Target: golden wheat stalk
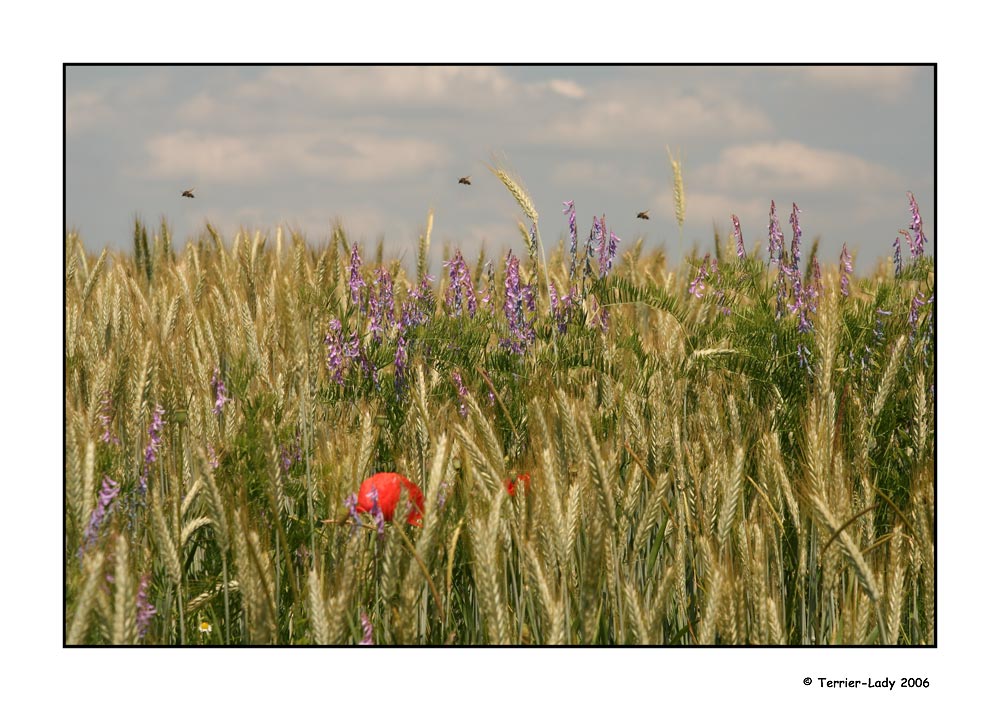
679	203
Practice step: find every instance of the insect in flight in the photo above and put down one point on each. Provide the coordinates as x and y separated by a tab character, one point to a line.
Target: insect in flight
465	180
644	215
188	193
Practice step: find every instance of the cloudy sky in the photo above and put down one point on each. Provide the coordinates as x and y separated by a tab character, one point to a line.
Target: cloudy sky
375	147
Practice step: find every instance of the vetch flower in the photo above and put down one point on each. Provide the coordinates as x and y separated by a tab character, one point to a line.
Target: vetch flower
463	393
570	209
400	364
796	235
356	282
845	268
351	502
740	251
917	226
518	300
384	490
105	416
381	305
366	625
776	244
109	491
897	258
155	439
459	287
144	611
219	388
417	310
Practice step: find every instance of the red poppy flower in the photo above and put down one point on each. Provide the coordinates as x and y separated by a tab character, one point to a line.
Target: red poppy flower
512	483
389	487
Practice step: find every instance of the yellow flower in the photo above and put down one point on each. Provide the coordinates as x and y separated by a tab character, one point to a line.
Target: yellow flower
205	628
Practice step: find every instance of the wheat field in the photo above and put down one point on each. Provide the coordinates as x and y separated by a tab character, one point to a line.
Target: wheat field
612	449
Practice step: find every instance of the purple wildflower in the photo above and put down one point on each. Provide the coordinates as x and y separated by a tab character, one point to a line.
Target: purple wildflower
917	226
377	511
220	392
776	245
400	363
612	248
796	235
698	286
519	299
878	330
463	393
740	251
357	283
351	502
340	352
781	291
418	308
561	307
213	458
897	258
816	283
570	209
381	304
155	439
804	352
459	286
845	268
105	416
109	491
291	453
366	625
144	611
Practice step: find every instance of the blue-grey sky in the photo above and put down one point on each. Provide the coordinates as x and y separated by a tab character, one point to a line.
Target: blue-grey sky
375	147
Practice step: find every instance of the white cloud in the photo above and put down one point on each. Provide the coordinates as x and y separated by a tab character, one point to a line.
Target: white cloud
364	86
567	88
887	82
85	109
634	117
358	157
788	165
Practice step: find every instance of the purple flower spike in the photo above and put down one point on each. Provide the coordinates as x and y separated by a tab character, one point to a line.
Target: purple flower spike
221	397
796	235
377	511
459	287
400	363
915	304
776	245
340	351
740	251
897	258
351	502
105	416
109	491
518	300
698	286
463	393
357	283
155	439
144	611
845	268
381	305
366	625
917	226
570	209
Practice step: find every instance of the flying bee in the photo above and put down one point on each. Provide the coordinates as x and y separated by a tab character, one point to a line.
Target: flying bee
188	193
465	180
644	215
